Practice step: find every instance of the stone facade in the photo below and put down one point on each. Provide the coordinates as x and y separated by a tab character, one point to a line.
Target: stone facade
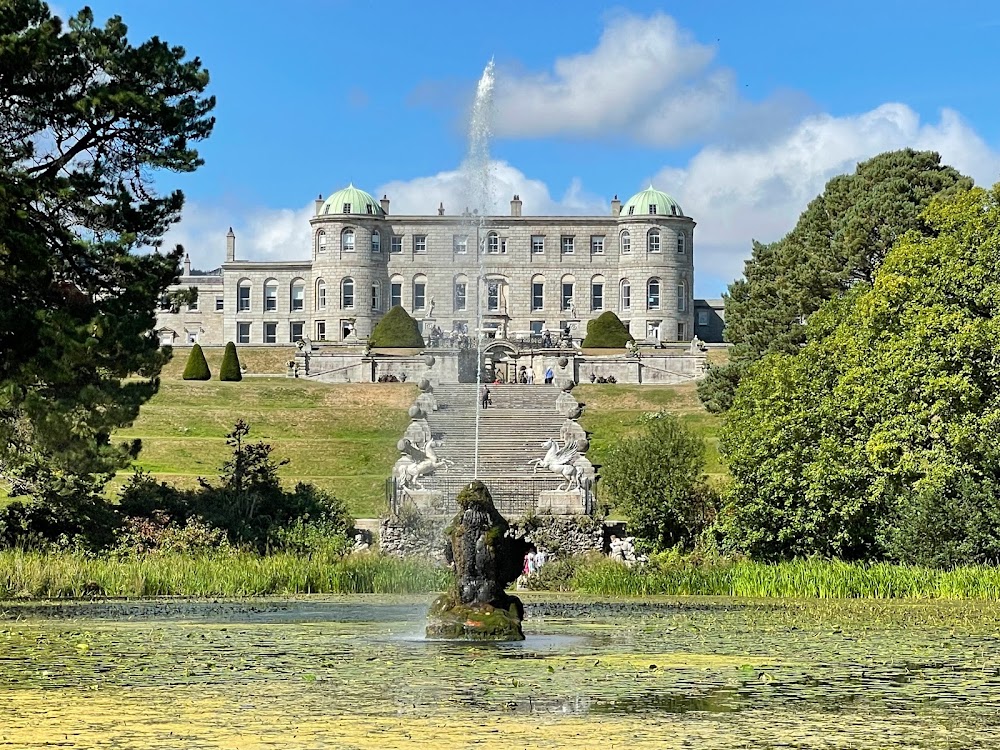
538	273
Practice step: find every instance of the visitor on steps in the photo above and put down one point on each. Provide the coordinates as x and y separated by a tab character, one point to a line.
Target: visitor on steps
549	375
485	396
531	377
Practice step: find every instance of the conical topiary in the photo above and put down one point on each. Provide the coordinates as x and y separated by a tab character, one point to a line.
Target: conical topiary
230	369
607	332
397	330
196	367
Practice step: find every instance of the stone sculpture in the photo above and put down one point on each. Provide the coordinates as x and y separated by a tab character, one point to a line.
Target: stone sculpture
487	559
423	462
560	460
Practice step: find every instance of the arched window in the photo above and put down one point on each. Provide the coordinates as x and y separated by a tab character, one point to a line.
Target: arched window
597	293
460	299
626	241
538	292
568	289
419	292
396	291
653	294
653	241
270	295
347	240
680	242
681	297
624	295
321	241
320	294
493	242
376	295
298	295
347	293
243	295
376	242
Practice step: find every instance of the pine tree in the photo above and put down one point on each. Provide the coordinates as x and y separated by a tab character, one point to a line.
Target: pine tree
197	367
230	369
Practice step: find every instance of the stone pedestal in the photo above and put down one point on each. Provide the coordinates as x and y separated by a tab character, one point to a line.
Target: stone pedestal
426	500
561	503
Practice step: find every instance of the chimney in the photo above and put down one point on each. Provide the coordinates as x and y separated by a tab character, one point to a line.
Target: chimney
385	204
441	209
515	206
319	203
230	246
616	206
187	264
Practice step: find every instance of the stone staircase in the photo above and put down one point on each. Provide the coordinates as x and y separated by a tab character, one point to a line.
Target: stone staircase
511	431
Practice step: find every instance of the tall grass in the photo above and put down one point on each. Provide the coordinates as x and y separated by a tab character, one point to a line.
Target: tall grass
36	575
799	579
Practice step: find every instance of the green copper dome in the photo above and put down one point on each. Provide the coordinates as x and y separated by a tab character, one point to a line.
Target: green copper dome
651	202
352	201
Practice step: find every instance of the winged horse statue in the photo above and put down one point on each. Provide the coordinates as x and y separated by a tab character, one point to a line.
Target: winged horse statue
560	460
423	462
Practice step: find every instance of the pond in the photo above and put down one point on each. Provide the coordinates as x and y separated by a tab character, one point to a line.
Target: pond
353	672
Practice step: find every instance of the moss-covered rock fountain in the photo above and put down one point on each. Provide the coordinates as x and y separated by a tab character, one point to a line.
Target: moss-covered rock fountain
487	559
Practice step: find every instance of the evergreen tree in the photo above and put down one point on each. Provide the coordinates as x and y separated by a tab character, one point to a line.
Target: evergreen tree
607	331
86	120
230	368
397	329
197	366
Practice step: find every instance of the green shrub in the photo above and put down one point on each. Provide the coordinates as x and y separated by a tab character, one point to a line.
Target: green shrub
197	367
397	330
607	332
230	369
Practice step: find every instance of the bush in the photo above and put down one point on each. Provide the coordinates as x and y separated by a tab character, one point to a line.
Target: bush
197	367
607	332
158	534
397	330
230	369
655	479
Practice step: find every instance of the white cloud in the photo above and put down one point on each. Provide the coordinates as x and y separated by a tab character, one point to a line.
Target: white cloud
757	192
646	79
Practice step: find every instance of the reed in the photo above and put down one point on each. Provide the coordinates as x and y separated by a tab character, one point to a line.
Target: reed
71	575
821	579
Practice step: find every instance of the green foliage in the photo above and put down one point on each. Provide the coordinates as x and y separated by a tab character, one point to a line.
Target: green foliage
840	240
717	388
397	330
157	534
877	438
230	369
197	366
655	480
88	121
607	331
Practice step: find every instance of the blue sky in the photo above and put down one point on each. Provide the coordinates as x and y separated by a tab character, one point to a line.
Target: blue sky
741	111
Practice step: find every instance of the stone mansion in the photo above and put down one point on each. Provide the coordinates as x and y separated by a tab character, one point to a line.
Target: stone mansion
529	273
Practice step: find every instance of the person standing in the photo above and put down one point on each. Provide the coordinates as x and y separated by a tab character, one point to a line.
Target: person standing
549	375
531	376
484	396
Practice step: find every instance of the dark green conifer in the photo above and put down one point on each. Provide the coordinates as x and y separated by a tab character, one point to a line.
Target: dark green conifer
230	369
607	332
197	367
397	330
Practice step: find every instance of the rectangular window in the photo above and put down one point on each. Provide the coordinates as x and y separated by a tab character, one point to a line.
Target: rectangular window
460	292
376	242
347	292
703	317
680	243
347	208
242	333
492	243
626	296
652	208
321	297
597	296
653	239
681	298
419	295
537	296
321	330
395	295
567	245
626	242
193	304
243	299
298	298
537	326
680	332
492	296
346	329
395	244
192	337
270	298
296	332
460	244
567	295
420	243
503	244
537	243
653	330
376	296
270	333
220	303
597	244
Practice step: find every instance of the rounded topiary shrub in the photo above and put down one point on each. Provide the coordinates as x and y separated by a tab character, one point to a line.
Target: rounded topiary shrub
397	330
607	332
196	367
230	369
